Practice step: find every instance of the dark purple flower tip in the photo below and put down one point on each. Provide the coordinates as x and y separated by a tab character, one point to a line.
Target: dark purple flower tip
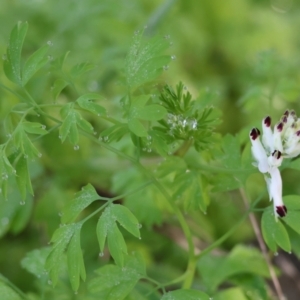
254	133
279	126
267	121
293	113
281	210
286	113
276	154
298	133
284	119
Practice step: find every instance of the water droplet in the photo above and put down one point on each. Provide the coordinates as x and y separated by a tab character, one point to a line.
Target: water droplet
95	132
173	57
75	293
149	137
167	36
38	115
276	253
140	226
149	150
50	57
101	254
40	155
60	214
290	252
60	137
49	282
49	43
76	147
43	127
140	238
166	68
105	138
4	57
22	202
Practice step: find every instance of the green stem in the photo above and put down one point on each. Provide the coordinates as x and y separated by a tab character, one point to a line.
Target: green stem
223	238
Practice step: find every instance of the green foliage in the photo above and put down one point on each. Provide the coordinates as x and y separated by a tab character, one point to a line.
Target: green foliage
157	177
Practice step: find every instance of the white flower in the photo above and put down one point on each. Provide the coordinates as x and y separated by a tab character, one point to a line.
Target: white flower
282	142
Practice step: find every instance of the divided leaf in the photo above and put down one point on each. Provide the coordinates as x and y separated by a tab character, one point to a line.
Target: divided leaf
274	232
36	61
85	102
82	200
12	63
75	260
185	295
107	228
145	61
114	282
23	177
61	239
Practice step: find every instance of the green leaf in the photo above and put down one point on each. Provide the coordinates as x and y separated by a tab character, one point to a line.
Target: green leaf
85	102
68	126
185	295
115	283
144	60
274	232
190	189
85	125
136	127
152	112
241	260
116	244
114	133
60	61
292	219
82	200
81	68
23	177
36	61
60	240
34	262
12	63
75	260
231	294
292	202
58	86
6	292
126	219
34	128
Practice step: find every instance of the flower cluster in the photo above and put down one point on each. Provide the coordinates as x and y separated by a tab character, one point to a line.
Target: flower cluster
282	142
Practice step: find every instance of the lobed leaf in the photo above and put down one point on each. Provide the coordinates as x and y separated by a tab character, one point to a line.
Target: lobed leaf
126	219
152	112
136	127
185	294
12	63
82	200
34	262
85	102
116	244
60	240
274	232
115	283
58	86
34	128
36	61
75	260
23	177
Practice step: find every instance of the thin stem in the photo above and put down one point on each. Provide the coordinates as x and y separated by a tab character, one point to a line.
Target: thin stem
223	237
262	246
12	286
222	170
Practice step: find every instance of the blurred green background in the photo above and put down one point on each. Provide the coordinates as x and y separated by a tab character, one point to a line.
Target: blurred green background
246	52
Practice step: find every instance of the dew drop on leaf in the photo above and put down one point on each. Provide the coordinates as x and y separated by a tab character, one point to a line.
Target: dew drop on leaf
76	147
101	254
49	43
40	155
22	202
